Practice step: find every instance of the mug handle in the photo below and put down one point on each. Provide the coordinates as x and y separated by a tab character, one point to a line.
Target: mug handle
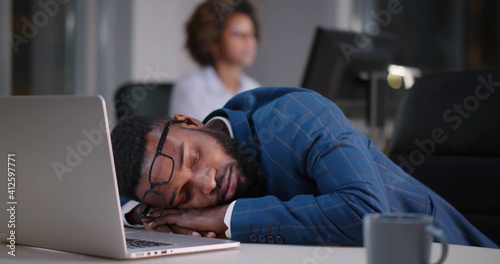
441	238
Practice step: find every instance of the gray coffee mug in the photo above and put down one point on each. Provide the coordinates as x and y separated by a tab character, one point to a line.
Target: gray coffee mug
397	238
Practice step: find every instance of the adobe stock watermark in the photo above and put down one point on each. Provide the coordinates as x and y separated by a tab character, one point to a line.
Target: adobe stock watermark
11	203
29	30
454	116
322	252
278	121
372	29
92	138
75	154
223	7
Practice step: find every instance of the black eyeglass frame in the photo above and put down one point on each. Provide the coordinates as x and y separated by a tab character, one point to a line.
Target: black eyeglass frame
144	212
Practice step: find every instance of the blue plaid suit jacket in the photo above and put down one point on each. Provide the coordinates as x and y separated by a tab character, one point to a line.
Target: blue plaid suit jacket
323	175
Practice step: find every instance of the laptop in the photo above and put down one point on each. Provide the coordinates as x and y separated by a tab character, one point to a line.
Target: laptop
61	190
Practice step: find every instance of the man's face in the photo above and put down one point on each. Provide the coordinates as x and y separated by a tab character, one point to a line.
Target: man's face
206	171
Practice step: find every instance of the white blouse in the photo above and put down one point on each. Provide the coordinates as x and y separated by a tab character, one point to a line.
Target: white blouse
199	93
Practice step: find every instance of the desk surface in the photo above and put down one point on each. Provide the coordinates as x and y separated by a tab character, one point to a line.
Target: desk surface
251	254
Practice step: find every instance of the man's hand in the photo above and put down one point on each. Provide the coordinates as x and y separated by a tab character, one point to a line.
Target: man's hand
149	225
208	222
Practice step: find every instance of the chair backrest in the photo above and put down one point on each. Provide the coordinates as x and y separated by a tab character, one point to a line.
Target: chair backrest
142	99
447	135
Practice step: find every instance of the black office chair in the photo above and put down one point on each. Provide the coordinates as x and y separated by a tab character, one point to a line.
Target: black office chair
447	135
142	99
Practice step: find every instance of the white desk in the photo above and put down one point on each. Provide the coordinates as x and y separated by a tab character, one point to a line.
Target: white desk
252	254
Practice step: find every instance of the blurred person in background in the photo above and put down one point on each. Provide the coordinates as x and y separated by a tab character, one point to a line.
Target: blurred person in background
222	37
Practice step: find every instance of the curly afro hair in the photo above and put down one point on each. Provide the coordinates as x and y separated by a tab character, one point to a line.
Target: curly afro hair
129	143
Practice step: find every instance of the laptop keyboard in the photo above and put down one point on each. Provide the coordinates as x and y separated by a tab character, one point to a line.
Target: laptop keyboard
137	243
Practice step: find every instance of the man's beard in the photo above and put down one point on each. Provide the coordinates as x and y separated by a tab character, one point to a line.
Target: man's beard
255	184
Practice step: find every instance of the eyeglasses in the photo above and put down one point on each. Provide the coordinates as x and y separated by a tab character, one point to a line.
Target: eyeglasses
165	162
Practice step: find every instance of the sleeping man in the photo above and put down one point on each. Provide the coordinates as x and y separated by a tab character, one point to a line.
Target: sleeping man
274	165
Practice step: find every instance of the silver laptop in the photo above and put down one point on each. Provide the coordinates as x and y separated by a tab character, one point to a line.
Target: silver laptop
60	190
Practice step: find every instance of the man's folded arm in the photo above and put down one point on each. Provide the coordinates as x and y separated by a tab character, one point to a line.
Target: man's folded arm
305	219
350	186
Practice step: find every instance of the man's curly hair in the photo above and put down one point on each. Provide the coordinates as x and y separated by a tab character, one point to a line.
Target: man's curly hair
204	27
129	145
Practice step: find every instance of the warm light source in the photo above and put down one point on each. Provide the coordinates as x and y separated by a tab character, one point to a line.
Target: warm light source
394	81
398	74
